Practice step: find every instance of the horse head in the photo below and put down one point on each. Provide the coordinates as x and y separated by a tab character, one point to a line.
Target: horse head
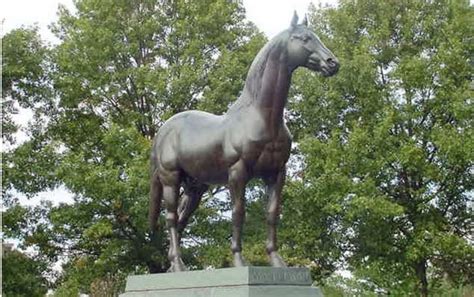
306	49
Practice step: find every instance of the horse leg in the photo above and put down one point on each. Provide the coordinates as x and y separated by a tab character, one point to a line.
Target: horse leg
192	198
237	180
274	188
170	197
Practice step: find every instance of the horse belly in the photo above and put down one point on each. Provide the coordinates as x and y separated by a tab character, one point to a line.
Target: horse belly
201	157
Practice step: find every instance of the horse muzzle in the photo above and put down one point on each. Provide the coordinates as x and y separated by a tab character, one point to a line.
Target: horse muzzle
327	67
330	67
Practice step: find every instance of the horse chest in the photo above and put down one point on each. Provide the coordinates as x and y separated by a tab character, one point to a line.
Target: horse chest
273	156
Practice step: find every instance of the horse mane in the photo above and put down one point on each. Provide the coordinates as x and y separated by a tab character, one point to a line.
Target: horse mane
253	82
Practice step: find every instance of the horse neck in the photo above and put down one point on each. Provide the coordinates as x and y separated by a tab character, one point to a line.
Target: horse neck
268	82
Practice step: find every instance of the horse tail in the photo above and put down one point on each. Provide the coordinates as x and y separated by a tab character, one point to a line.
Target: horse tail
156	194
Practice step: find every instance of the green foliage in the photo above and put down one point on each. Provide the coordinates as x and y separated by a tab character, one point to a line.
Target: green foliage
338	286
22	275
25	60
446	289
67	288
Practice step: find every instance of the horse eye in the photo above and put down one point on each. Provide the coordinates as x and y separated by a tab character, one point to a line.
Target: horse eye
304	38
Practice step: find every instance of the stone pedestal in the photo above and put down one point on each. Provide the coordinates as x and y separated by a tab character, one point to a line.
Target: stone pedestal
226	282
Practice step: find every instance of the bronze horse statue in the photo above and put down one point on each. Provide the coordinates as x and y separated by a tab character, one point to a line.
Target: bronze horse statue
195	149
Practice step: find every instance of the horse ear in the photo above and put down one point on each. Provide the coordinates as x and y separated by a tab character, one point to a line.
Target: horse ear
305	21
294	21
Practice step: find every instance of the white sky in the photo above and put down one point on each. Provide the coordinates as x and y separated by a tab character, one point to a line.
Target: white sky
270	16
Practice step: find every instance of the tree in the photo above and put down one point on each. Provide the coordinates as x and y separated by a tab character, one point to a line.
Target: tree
121	68
388	146
24	75
22	275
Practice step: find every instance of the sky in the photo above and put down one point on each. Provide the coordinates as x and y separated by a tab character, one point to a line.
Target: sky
270	16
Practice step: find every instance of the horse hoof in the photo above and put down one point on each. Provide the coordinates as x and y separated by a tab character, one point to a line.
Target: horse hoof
276	260
239	260
177	265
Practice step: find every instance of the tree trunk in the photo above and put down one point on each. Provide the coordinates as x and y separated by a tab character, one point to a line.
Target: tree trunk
420	268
